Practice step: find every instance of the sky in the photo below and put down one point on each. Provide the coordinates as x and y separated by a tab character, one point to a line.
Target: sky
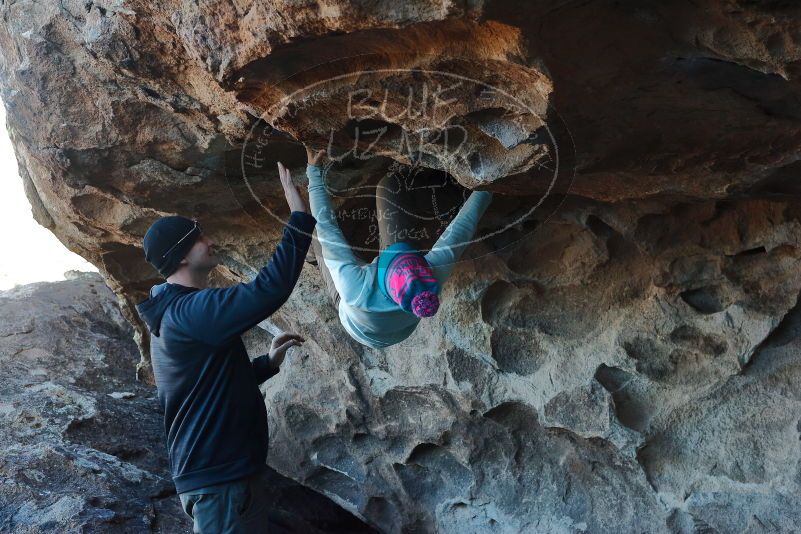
30	253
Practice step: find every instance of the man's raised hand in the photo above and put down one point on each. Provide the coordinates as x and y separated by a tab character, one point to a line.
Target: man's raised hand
293	198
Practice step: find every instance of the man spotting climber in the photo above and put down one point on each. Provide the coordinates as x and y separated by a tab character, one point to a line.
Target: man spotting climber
215	419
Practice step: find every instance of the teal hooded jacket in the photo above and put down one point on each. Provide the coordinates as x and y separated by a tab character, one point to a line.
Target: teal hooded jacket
365	310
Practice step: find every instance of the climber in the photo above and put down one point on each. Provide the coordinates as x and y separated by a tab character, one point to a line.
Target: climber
381	303
215	419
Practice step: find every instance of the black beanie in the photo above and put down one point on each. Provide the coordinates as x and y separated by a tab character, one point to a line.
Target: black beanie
164	234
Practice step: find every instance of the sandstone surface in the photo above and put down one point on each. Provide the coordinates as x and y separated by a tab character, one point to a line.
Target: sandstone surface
619	352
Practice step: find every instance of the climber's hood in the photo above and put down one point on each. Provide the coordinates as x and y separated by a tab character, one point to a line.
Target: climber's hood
161	296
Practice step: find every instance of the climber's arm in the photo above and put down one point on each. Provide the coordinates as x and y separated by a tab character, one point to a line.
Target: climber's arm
347	271
454	240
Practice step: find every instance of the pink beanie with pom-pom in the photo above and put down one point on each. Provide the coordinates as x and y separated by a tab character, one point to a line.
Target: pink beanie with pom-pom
408	280
425	304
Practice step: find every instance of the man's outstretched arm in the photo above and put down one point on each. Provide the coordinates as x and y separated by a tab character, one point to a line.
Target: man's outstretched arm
215	315
454	240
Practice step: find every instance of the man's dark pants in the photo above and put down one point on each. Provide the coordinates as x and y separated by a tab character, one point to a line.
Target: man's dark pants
235	507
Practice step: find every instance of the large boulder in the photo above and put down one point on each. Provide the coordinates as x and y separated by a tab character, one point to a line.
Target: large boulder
618	349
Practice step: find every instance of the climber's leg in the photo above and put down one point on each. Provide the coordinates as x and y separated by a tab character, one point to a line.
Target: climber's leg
414	205
396	198
326	275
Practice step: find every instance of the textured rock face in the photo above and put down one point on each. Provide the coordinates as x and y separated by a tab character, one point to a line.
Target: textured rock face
622	358
82	441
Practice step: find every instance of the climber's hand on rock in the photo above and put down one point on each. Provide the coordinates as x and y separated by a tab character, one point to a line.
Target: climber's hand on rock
313	156
281	344
293	198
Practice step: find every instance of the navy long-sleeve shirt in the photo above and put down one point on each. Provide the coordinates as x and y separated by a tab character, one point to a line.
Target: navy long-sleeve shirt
215	419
